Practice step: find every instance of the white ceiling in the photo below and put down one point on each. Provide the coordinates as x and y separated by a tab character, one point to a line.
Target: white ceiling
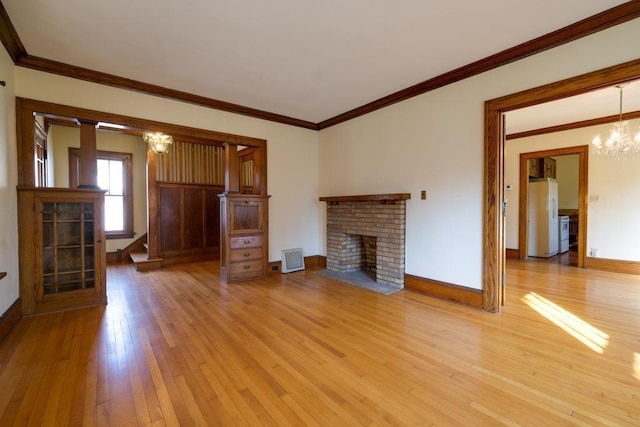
310	60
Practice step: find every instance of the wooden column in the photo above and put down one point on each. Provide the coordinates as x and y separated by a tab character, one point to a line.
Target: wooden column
25	127
152	203
88	174
231	169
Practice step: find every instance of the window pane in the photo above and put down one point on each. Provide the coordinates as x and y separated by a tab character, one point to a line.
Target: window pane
103	174
114	213
115	178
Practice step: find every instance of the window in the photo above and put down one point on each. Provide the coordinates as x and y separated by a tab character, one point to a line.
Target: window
114	176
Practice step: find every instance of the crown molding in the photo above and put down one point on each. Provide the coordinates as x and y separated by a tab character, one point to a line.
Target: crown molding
593	24
609	18
574	125
9	36
54	67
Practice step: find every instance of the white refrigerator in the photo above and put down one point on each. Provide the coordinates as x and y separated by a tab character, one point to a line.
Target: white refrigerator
543	217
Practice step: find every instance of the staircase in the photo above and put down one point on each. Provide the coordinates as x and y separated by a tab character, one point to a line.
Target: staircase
138	251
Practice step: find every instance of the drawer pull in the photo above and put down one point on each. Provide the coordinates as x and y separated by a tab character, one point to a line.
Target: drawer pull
246	242
246	254
246	267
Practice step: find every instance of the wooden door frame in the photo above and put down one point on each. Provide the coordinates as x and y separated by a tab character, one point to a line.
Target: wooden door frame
25	128
493	232
523	211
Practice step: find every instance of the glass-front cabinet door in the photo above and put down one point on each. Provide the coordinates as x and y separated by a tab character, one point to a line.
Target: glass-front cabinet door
68	249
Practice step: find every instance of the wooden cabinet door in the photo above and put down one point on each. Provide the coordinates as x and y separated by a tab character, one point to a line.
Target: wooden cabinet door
69	253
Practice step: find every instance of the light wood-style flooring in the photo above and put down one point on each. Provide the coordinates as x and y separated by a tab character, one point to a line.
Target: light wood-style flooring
176	347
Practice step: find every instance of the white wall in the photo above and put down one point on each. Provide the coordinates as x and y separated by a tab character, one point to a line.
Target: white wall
65	137
291	152
568	177
612	222
435	142
8	180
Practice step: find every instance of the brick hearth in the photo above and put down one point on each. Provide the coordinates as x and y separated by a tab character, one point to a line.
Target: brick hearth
367	233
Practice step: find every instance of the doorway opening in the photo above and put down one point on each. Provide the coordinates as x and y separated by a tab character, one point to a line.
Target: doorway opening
581	215
494	227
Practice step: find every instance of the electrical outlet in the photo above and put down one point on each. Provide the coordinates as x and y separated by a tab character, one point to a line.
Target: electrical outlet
423	194
594	198
594	252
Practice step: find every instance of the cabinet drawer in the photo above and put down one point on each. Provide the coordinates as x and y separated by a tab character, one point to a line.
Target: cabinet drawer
245	242
247	254
247	267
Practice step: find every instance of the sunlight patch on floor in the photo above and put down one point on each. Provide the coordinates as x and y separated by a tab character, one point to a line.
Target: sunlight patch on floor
636	365
590	336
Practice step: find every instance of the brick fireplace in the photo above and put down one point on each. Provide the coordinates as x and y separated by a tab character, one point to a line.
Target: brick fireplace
367	233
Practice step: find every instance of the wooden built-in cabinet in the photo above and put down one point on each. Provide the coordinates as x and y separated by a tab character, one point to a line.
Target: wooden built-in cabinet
542	168
243	236
62	258
189	220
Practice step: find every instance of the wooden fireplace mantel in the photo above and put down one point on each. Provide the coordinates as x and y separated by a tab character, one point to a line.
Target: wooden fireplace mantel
383	198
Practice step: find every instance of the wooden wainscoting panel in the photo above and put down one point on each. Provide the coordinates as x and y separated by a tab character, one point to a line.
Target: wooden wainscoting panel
10	318
615	265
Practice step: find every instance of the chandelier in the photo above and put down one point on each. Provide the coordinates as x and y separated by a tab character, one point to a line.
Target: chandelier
621	143
158	142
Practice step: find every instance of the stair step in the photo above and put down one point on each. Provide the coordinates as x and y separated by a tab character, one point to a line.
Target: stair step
143	263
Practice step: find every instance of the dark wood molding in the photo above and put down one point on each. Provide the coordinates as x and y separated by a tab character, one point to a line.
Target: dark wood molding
442	290
10	319
493	231
523	213
367	198
601	21
614	265
54	67
512	253
9	37
575	125
310	262
315	261
49	109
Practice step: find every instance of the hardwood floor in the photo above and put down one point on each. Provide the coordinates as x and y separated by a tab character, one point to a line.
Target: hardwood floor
176	347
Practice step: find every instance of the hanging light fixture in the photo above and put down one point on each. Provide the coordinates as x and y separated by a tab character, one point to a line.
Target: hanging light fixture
621	143
158	142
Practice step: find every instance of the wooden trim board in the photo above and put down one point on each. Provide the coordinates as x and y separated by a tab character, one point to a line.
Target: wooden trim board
312	261
575	125
442	290
614	265
10	319
433	288
512	253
